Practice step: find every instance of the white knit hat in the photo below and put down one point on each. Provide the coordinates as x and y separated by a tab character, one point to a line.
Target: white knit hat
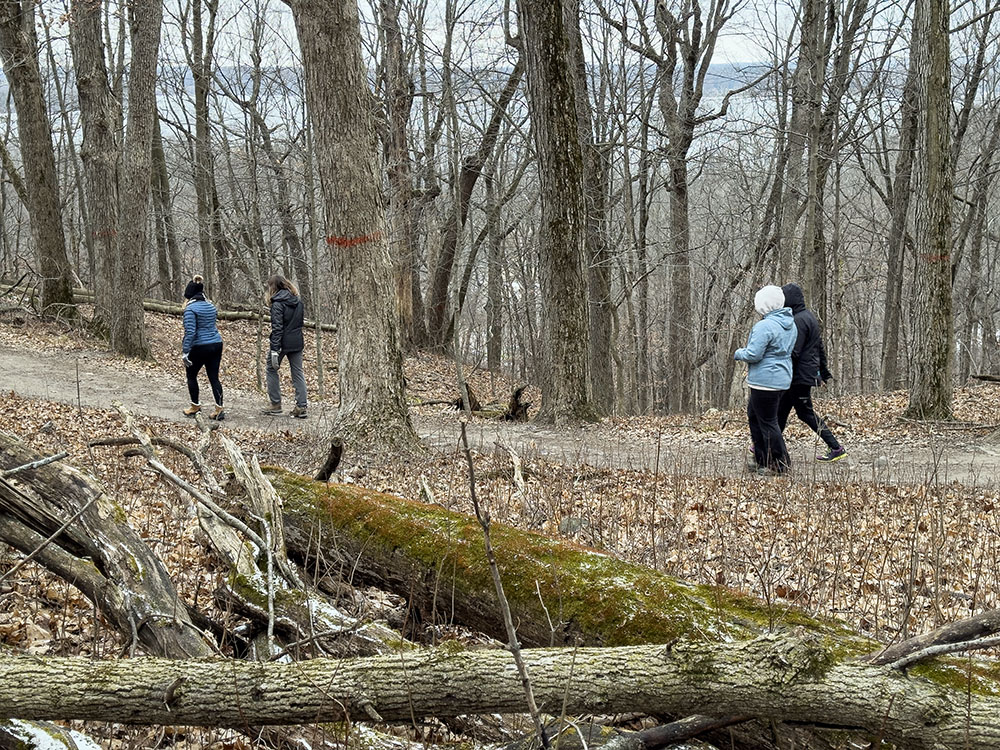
769	299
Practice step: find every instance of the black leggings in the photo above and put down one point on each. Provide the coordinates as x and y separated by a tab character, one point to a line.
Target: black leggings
768	444
799	397
209	355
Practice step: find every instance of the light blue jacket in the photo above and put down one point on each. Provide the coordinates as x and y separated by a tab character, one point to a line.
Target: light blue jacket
769	351
199	325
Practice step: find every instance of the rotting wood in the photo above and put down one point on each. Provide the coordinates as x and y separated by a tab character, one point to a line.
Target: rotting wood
99	553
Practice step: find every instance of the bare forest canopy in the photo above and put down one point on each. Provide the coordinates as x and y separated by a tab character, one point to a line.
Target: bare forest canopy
596	219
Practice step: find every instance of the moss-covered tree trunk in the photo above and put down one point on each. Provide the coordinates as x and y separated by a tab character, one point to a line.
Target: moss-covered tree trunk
560	593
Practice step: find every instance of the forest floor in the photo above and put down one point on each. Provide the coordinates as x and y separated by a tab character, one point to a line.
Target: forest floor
901	536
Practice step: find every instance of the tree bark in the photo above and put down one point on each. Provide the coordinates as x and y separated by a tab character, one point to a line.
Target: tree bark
930	395
778	677
101	152
19	53
341	107
99	552
438	320
128	323
901	196
559	593
552	96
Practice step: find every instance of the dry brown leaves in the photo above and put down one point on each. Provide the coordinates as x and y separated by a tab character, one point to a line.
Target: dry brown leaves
890	559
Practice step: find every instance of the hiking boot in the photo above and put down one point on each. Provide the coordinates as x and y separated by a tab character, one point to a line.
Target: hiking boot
299	412
272	410
192	410
766	471
834	454
218	413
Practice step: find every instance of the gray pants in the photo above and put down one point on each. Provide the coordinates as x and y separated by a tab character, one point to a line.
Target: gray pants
298	378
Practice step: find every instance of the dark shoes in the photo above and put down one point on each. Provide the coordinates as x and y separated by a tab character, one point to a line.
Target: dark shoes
299	412
834	454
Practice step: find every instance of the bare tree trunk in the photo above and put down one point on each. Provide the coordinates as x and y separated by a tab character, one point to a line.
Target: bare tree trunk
899	210
99	552
162	203
398	103
341	107
101	117
494	280
780	677
199	44
19	51
930	396
128	326
552	93
472	168
598	258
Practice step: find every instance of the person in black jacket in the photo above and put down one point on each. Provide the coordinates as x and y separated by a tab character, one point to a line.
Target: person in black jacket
808	369
286	342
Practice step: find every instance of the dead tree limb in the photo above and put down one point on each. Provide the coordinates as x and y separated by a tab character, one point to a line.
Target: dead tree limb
778	677
99	552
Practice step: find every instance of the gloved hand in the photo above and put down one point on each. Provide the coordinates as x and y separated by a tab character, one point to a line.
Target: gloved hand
273	360
186	359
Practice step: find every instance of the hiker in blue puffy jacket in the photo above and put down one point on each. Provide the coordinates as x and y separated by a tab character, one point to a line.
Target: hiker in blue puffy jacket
202	346
769	355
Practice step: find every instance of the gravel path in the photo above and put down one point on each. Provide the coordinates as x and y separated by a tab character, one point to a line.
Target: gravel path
96	379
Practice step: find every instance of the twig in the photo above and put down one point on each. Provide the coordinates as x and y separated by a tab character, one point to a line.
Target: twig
945	648
483	517
33	465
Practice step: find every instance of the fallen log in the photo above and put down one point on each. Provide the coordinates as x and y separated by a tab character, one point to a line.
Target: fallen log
560	593
86	297
98	552
777	677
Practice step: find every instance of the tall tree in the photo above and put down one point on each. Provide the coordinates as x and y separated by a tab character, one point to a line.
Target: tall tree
552	97
101	151
128	326
930	394
19	53
341	108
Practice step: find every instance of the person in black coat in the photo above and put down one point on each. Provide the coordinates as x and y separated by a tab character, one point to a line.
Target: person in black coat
286	342
808	370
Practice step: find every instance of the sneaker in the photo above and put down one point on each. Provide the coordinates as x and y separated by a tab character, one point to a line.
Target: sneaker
834	454
272	409
219	413
299	412
192	410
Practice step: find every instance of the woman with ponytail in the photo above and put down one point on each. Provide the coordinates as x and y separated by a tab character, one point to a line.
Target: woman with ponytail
202	346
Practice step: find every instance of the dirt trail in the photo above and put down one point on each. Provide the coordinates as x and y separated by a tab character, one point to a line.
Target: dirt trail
96	379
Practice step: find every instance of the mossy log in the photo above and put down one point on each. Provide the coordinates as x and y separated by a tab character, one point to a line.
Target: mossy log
560	593
790	677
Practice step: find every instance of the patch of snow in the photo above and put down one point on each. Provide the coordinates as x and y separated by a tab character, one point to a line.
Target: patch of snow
38	737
